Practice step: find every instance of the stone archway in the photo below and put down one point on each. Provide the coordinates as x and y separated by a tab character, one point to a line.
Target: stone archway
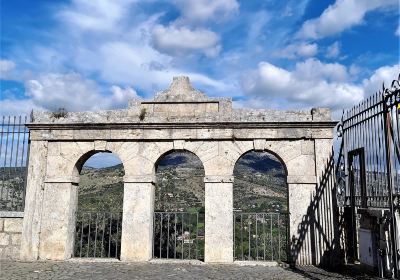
260	203
99	206
179	206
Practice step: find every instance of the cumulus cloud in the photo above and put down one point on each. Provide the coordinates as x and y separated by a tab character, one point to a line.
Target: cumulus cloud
298	50
206	10
177	40
310	83
120	96
6	68
383	75
74	93
340	16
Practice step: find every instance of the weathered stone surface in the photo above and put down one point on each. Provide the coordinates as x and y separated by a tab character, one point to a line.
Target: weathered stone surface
218	222
4	239
16	239
137	222
12	225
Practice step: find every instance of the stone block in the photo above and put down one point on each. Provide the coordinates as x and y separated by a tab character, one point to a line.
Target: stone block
4	239
13	224
1	224
16	239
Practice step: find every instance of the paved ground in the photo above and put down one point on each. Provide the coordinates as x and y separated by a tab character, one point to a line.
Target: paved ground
117	270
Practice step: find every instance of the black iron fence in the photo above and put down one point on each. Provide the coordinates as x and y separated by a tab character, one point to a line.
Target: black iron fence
178	235
98	235
260	236
14	137
369	168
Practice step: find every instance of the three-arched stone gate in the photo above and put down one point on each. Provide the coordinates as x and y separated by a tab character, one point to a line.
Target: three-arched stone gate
180	118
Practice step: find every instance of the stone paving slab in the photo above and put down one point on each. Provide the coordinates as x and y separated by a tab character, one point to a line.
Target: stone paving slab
119	270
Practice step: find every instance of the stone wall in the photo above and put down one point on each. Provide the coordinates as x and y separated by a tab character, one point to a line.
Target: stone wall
10	237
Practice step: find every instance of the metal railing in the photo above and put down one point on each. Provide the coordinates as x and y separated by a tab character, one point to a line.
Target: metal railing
370	165
260	236
98	235
14	137
178	235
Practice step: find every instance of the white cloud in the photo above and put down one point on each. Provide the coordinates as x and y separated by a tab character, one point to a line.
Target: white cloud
95	15
74	93
206	10
6	68
383	75
341	15
120	96
333	50
180	40
301	49
70	91
15	107
311	83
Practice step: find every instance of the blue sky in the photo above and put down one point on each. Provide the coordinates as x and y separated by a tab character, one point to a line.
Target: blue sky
294	54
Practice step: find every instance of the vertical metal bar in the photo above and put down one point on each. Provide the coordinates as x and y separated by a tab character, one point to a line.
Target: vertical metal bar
109	236
249	223
1	152
167	235
82	216
279	238
175	236
117	236
95	235
256	215
5	157
241	235
161	230
182	220
102	237
10	162
388	151
190	232
272	249
90	220
264	234
197	235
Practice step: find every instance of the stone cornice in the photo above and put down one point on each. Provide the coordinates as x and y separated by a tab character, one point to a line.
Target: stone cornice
193	125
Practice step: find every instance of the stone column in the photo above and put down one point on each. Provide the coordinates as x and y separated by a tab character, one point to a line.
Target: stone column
218	219
301	222
137	218
58	220
33	201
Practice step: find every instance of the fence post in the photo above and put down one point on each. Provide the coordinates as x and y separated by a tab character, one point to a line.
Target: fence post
389	166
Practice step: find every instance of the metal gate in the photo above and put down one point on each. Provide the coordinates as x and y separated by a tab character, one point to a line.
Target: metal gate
178	235
370	165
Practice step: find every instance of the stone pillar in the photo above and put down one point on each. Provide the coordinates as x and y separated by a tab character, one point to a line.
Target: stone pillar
218	219
137	218
301	223
33	201
58	220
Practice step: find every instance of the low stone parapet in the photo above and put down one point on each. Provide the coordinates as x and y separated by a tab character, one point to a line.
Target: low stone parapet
10	235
